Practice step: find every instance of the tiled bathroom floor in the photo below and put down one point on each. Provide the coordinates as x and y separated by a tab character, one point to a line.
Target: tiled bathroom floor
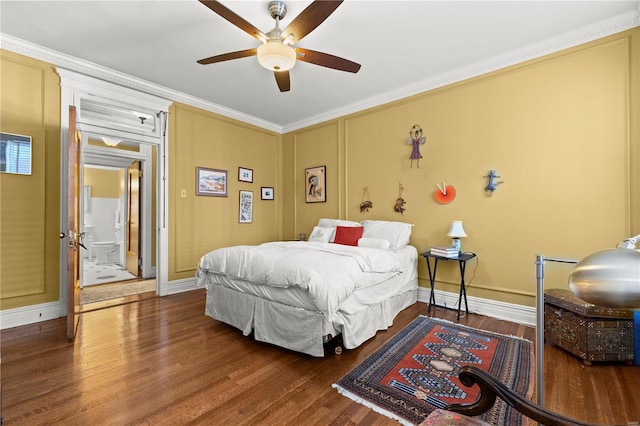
104	273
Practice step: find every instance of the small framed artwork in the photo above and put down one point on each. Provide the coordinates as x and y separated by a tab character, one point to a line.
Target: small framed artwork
246	207
315	184
15	154
266	193
245	175
211	182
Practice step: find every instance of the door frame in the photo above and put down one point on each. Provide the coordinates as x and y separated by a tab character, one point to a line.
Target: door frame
74	88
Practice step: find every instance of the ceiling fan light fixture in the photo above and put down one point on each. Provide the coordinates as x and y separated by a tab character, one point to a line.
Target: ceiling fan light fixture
276	56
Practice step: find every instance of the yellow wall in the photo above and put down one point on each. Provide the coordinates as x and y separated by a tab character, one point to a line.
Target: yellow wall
30	205
104	183
561	133
199	224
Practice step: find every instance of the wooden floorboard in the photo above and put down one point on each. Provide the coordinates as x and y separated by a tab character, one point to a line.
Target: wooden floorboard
161	361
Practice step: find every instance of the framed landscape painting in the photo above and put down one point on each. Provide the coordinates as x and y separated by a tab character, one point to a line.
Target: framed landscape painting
315	184
211	182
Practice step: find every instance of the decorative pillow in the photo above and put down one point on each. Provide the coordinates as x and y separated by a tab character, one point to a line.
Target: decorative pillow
348	235
321	235
332	223
378	243
397	233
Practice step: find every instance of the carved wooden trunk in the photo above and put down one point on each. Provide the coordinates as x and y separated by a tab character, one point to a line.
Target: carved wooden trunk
591	332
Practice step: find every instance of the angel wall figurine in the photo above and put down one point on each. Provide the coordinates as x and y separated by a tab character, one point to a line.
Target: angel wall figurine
416	139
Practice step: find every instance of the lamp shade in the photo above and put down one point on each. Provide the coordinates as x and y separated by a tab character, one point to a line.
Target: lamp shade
456	231
276	56
609	278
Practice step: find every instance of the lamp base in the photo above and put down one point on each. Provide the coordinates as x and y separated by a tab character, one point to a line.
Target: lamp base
456	244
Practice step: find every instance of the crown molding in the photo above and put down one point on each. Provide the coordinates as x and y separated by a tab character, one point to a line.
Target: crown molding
90	69
593	32
602	29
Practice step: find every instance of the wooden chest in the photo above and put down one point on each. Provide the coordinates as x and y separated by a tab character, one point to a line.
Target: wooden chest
591	332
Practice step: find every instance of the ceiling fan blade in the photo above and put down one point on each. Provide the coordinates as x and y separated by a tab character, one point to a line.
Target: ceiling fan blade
309	19
326	60
228	56
283	80
236	20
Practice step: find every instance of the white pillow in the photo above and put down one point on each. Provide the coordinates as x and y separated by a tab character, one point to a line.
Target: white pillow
332	223
397	233
321	235
378	243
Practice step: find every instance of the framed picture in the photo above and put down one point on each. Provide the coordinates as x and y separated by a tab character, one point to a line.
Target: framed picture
245	175
211	182
315	184
246	207
266	193
15	154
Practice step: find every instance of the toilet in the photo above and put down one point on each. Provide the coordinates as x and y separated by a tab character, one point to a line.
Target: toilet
106	252
102	251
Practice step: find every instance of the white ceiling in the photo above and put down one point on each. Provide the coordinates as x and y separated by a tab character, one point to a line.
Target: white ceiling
404	47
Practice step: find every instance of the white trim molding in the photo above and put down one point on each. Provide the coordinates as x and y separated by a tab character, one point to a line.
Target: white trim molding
598	30
520	314
180	286
31	314
565	41
77	87
80	66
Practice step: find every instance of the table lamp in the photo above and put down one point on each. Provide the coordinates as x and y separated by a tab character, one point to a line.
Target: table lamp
456	232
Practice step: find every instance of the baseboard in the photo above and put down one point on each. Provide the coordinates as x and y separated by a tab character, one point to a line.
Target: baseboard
520	314
26	315
506	311
178	286
16	317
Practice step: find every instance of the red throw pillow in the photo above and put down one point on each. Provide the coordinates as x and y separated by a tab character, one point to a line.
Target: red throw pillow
348	235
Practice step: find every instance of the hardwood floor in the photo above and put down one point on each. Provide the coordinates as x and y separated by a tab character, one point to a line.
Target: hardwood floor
161	361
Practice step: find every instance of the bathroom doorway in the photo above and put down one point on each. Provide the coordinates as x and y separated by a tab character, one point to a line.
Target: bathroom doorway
105	226
115	224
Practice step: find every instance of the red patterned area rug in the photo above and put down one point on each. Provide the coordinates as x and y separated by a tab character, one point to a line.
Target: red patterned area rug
417	371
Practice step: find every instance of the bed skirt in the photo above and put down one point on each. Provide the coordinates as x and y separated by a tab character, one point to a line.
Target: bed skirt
300	329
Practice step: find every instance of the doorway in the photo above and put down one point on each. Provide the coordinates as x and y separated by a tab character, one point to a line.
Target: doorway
115	108
113	224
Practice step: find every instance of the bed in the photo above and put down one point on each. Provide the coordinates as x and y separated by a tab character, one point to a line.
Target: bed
349	280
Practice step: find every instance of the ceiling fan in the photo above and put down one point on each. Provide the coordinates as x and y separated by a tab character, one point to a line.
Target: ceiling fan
277	52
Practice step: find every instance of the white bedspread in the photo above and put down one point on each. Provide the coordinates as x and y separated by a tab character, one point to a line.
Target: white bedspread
330	273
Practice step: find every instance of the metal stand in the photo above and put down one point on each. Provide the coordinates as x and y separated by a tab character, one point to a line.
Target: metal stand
540	259
462	259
